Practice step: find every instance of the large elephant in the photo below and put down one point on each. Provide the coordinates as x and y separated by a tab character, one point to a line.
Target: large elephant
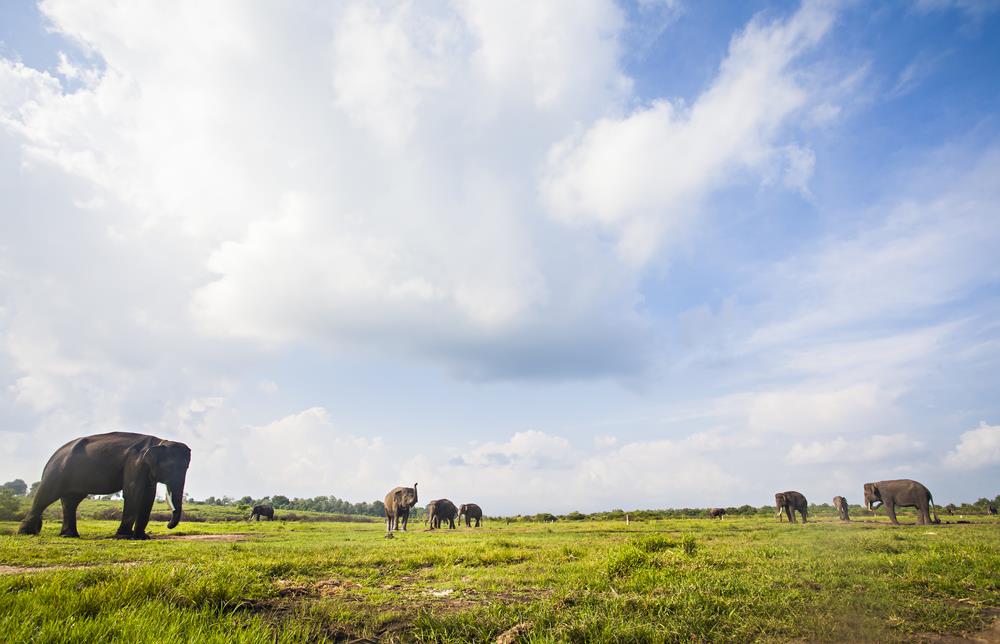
109	463
901	493
472	512
262	511
717	513
791	502
840	503
398	502
991	509
439	509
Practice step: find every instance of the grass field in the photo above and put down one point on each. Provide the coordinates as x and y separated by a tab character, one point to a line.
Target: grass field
671	580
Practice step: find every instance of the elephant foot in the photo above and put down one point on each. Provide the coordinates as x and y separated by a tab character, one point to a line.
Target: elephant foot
123	535
70	535
140	536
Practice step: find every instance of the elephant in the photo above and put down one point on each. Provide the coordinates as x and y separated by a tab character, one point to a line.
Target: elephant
791	502
398	502
950	509
991	509
719	513
472	512
109	463
262	511
840	503
439	509
901	493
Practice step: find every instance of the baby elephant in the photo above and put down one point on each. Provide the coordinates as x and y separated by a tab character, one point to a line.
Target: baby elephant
719	513
840	503
472	512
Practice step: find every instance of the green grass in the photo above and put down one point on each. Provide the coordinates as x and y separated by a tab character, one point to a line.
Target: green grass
671	580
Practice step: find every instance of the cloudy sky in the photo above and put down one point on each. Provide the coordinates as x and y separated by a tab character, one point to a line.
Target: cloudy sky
545	256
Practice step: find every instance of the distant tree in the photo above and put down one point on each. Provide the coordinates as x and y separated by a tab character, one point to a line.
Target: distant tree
10	505
17	487
246	500
34	488
280	501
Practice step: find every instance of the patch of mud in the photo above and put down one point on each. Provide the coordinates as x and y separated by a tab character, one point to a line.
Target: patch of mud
28	570
203	537
989	635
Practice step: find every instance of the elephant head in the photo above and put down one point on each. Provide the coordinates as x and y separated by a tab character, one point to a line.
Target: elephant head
167	463
873	498
408	498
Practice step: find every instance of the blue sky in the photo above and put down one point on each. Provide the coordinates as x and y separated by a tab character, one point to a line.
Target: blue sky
555	256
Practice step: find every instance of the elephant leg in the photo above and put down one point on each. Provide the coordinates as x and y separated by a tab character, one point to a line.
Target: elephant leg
479	522
143	508
128	515
44	497
890	510
804	513
69	504
791	514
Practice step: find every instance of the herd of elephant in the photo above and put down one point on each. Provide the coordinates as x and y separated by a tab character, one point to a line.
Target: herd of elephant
400	500
133	464
898	493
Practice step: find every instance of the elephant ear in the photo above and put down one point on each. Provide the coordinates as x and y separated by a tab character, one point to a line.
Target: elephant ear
150	457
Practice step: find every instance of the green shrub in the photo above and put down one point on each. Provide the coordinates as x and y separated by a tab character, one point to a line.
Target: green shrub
625	561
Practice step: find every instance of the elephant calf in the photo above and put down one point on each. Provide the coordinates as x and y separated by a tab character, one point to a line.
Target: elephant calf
901	493
791	502
840	503
262	511
107	463
472	512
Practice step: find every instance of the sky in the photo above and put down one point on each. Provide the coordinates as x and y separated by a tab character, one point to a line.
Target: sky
543	256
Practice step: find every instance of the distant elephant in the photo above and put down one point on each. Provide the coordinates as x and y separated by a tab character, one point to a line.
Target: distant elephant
791	502
901	493
991	509
262	511
439	509
840	503
109	463
398	502
950	509
472	512
719	513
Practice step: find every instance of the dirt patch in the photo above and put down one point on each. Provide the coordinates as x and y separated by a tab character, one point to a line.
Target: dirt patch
203	537
989	635
28	570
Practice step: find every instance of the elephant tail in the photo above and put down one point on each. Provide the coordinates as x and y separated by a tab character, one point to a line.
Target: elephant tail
930	501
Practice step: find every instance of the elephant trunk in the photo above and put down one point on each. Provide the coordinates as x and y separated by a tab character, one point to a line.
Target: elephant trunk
175	499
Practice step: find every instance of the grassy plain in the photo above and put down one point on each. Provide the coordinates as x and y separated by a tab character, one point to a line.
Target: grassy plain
672	580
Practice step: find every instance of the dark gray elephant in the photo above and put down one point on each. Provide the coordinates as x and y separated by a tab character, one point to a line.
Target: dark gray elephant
717	513
991	509
471	512
791	502
109	463
950	509
441	509
840	503
901	493
262	511
398	502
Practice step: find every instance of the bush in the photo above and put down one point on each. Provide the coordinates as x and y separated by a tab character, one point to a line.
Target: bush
10	506
689	545
654	543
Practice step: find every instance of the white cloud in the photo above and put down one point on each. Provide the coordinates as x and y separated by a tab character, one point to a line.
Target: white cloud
976	448
643	176
876	447
306	454
811	410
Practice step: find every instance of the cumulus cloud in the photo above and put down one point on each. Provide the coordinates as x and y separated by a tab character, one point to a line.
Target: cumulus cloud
876	447
976	448
644	175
